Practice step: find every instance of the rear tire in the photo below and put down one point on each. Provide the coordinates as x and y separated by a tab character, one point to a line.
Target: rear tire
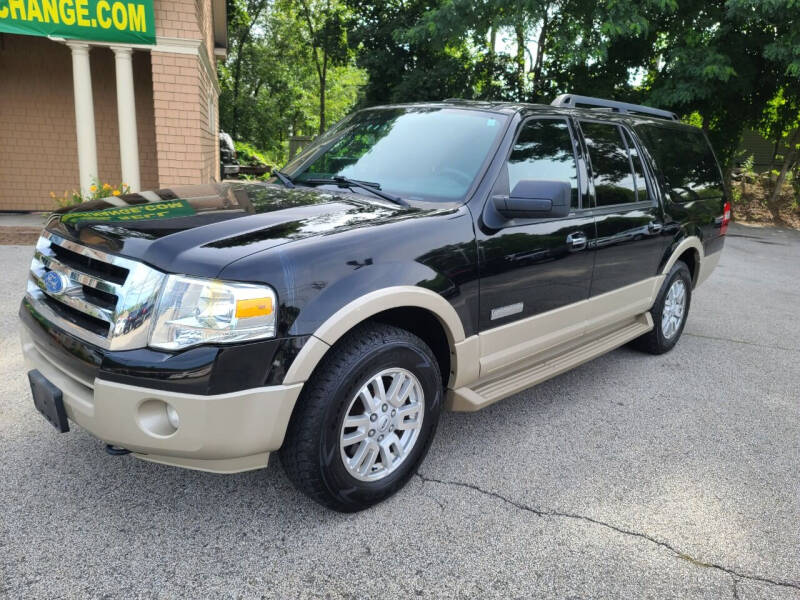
669	312
377	392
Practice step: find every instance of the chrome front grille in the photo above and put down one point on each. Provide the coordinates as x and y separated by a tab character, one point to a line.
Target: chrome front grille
104	299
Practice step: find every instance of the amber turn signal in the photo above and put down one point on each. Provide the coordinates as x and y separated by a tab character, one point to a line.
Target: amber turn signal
253	307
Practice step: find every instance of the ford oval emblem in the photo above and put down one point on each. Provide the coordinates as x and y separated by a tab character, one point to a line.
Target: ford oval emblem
54	282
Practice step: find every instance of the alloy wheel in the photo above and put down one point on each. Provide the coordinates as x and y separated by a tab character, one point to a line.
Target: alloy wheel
674	309
382	424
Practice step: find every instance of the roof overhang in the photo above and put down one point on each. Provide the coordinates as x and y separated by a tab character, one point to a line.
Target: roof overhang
220	19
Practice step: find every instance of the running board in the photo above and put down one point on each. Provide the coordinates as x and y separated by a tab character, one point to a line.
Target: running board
484	393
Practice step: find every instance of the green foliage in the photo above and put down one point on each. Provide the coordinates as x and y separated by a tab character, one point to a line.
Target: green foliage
402	67
325	34
297	65
724	60
269	82
748	164
721	61
248	154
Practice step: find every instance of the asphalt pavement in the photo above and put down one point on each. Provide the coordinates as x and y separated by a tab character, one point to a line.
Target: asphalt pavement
633	476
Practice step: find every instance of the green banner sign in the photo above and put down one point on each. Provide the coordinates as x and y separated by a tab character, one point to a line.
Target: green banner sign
126	21
168	209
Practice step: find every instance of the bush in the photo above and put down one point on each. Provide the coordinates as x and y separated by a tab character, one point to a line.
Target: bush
751	192
247	154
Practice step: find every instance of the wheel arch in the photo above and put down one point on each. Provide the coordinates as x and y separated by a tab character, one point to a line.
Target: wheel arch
689	250
396	305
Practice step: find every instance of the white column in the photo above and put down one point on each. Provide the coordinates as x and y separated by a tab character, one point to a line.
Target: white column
84	114
126	113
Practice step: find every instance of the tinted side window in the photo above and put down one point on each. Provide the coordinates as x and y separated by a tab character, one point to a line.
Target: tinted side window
611	164
685	160
543	150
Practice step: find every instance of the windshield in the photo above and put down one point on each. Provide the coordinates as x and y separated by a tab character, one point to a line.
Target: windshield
429	154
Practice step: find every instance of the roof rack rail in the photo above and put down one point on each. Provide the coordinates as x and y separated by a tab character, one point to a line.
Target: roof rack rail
576	101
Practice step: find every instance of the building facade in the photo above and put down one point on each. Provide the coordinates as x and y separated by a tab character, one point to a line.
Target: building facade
73	111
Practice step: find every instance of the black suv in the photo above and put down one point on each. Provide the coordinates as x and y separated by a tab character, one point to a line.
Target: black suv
413	258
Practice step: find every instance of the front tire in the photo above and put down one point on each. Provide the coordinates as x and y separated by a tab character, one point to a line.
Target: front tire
669	312
365	419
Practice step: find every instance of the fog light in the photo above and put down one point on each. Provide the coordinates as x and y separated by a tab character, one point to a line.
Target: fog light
157	418
172	416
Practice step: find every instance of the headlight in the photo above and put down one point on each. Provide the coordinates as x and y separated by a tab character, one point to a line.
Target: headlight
204	311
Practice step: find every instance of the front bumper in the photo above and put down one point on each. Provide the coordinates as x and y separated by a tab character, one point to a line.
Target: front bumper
223	433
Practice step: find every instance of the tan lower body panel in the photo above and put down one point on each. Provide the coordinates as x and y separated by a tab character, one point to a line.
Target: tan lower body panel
707	265
518	355
527	339
223	466
224	433
559	360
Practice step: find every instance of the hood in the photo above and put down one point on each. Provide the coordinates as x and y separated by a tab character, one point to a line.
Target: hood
198	230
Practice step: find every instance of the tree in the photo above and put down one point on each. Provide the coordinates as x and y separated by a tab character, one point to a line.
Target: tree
781	122
404	67
446	26
324	21
720	61
725	59
270	83
244	14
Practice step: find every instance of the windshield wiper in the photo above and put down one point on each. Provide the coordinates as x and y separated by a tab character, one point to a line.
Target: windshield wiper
284	178
374	188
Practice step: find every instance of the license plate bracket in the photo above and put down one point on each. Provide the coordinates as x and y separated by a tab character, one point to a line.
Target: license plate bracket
48	400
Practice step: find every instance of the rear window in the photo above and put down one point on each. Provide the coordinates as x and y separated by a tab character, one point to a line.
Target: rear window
611	162
685	160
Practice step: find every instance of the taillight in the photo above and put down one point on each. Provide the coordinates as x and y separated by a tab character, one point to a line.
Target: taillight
726	218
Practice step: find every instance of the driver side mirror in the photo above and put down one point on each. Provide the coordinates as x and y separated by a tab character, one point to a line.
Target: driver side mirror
535	199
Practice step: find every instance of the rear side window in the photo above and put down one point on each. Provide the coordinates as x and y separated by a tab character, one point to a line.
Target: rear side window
543	150
685	160
612	165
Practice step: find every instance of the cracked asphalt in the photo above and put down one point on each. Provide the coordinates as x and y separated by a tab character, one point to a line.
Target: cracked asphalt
632	476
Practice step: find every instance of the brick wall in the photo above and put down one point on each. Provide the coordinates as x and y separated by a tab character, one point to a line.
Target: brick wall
205	16
177	18
184	97
206	22
176	111
37	121
186	145
104	90
145	117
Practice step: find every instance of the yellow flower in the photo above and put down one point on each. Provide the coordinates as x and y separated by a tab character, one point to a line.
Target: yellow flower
52	194
92	188
123	185
115	192
106	186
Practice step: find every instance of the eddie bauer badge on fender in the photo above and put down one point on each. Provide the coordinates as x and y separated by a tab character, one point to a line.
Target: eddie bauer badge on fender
506	311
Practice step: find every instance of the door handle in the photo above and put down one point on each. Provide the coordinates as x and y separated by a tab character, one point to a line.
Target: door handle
655	226
576	241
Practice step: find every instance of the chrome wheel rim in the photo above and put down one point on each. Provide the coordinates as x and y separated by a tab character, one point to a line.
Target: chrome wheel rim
674	309
382	424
